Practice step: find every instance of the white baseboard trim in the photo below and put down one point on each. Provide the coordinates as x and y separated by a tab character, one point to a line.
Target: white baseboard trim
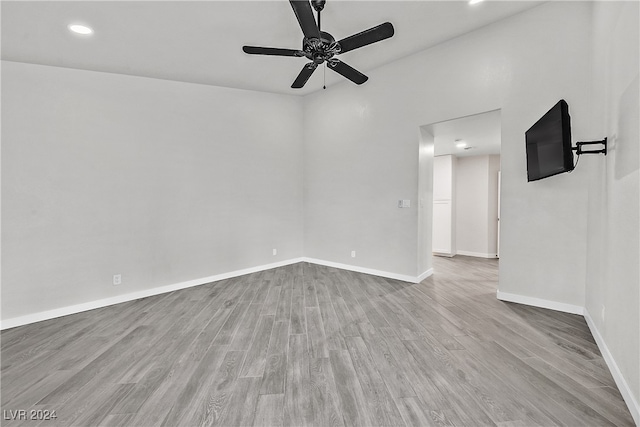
424	275
78	308
623	386
388	275
444	254
477	254
542	303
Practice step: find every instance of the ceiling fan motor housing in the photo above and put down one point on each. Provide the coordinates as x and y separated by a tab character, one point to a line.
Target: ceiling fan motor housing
318	5
322	49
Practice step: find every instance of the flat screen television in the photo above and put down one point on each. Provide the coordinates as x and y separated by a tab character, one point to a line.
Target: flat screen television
548	143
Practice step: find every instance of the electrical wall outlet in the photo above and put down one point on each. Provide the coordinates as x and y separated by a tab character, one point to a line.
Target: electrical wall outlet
117	279
404	203
275	252
353	254
602	314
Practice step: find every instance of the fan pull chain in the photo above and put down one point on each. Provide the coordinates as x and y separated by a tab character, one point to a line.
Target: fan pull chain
324	83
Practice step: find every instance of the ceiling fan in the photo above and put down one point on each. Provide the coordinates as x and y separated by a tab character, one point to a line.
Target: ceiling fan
320	46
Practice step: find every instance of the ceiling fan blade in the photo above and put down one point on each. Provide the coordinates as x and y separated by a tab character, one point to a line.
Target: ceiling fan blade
257	50
372	35
304	75
302	9
349	72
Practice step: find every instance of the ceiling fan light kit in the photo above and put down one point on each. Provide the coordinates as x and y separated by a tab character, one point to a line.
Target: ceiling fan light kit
319	46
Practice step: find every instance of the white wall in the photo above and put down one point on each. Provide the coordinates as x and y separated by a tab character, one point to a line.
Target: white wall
477	202
160	181
361	145
425	196
613	276
472	185
355	172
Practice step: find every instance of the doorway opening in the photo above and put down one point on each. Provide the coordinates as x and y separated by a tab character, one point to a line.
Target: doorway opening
460	179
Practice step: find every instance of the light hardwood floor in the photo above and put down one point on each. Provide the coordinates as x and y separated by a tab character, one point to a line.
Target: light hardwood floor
311	345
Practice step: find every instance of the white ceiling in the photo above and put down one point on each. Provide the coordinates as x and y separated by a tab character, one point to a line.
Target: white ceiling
201	41
481	133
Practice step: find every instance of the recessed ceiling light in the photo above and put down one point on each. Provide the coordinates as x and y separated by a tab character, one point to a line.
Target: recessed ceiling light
475	1
460	143
80	29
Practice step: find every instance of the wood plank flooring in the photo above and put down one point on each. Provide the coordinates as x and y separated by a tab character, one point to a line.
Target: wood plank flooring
310	345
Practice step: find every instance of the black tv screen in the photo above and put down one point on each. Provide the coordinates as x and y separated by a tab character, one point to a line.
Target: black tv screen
548	142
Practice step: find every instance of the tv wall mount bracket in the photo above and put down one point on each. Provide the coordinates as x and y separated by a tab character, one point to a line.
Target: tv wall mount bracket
579	150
